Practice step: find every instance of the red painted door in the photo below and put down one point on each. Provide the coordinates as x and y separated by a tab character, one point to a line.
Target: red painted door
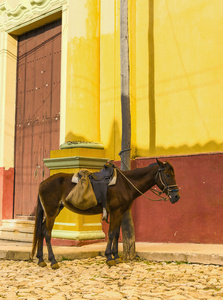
37	112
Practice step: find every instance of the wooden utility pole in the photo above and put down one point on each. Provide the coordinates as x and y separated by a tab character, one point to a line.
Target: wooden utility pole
128	231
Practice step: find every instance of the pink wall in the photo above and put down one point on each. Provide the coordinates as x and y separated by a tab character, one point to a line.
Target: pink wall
6	193
197	216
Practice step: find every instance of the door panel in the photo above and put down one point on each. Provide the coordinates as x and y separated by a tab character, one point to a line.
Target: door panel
37	112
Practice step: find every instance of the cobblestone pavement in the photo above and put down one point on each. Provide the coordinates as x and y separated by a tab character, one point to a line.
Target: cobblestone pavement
93	279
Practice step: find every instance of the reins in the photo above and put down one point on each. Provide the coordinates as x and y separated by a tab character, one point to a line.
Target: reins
152	190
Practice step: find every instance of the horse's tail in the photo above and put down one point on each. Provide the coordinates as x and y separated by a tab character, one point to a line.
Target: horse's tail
37	235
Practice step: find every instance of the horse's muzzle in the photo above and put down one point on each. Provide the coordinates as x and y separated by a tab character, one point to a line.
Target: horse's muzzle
174	197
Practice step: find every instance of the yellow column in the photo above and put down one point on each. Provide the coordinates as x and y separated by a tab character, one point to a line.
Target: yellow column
80	110
8	61
83	72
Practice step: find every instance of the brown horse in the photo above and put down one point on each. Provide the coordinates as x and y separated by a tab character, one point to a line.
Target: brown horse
129	185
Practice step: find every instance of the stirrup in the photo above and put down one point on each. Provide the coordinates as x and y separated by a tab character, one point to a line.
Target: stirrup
105	215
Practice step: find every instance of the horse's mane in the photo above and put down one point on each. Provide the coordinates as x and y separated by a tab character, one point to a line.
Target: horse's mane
153	164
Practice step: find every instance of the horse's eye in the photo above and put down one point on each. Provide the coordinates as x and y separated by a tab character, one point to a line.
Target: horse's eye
167	175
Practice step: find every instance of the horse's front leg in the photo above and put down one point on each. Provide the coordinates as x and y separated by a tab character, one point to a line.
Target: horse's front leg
113	236
49	222
115	246
108	253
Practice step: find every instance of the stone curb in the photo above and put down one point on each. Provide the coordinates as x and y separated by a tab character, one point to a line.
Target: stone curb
193	253
197	258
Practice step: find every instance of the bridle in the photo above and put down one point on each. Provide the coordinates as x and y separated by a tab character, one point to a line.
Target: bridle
159	174
166	187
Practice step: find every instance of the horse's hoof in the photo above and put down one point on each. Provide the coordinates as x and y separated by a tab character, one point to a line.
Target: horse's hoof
55	266
118	260
42	264
111	263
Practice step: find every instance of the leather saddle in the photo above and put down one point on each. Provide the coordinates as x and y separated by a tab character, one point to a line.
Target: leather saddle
108	173
104	174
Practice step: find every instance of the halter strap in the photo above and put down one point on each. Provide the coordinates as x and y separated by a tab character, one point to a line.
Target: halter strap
152	190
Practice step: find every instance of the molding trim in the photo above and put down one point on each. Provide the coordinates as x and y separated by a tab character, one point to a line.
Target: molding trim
179	155
11	18
91	145
75	162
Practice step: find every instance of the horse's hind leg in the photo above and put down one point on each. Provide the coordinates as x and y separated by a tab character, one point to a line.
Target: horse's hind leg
108	253
114	250
49	222
39	254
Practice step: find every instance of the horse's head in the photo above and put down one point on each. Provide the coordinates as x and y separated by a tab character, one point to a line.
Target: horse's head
165	180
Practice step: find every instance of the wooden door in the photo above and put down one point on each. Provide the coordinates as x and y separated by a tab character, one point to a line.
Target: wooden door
37	112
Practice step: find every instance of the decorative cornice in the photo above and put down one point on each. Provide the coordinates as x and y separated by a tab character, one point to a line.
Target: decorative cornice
2	8
75	162
19	10
37	2
12	17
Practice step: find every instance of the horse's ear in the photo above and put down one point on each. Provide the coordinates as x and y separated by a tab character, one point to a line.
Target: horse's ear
160	163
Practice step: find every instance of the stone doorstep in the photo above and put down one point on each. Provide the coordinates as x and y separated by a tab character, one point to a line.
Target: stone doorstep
17	230
16	223
15	235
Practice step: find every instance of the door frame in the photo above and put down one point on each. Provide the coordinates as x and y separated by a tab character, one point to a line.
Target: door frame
37	112
23	21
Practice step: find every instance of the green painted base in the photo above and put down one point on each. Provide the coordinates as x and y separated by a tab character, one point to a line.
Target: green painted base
75	162
78	235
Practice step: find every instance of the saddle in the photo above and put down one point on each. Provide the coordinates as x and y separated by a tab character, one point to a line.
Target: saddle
91	188
100	181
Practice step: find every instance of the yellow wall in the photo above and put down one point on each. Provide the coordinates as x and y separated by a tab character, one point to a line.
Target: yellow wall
188	56
176	55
